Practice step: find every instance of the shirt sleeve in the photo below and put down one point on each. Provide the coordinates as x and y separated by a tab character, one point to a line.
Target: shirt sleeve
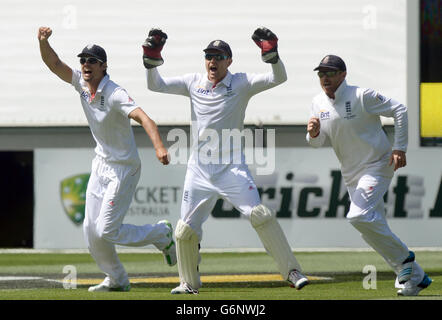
377	104
76	80
122	102
172	85
264	81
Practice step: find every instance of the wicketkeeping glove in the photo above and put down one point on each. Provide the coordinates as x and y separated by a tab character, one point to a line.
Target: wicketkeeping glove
152	48
268	42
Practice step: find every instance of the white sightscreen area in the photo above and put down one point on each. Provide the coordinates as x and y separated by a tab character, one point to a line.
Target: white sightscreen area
369	35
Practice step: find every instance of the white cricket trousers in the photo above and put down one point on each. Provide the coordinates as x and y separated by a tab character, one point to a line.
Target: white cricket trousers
108	196
204	186
367	215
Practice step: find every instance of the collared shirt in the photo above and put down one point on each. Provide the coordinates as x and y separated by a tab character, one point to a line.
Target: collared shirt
107	114
217	111
352	123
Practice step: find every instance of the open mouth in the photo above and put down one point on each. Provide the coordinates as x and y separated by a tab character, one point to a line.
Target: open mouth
213	69
86	70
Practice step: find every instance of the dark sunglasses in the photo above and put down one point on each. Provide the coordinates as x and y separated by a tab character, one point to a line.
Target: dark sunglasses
217	56
90	60
329	74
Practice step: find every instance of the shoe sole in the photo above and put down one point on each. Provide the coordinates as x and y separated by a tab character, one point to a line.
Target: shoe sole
187	292
184	292
119	289
300	286
425	283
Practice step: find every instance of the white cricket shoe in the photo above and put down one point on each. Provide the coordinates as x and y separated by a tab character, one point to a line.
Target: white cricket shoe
407	269
169	251
414	290
184	288
297	279
104	287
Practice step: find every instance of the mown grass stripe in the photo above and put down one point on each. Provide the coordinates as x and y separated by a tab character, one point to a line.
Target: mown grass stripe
207	279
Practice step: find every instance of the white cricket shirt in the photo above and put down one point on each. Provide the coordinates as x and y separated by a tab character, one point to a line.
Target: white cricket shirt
218	109
352	123
107	114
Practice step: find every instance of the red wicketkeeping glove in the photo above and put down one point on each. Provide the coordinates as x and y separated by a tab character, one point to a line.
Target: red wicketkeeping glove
268	42
152	48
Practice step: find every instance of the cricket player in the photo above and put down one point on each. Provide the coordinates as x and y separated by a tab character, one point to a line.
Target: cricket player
218	101
116	166
349	117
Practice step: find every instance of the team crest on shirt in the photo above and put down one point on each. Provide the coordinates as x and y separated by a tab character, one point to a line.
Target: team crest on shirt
348	112
229	91
324	114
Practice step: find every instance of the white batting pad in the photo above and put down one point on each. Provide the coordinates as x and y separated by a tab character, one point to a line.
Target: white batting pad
273	239
187	254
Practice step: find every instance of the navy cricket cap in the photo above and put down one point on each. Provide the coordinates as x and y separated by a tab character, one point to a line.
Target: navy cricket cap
220	46
332	62
93	50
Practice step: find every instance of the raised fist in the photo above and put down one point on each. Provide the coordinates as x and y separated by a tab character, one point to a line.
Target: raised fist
313	127
44	33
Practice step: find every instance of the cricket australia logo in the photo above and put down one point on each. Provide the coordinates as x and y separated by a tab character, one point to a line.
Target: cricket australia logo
73	197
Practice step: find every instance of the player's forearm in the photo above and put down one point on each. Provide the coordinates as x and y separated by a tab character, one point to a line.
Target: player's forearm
279	73
51	59
48	55
154	80
265	81
152	131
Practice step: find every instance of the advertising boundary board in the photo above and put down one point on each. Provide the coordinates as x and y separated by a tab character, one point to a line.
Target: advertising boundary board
305	189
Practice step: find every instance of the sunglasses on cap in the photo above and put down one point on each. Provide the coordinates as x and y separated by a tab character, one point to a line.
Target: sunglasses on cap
329	74
90	60
217	56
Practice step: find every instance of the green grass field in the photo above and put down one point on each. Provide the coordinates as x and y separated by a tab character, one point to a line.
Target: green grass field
334	276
